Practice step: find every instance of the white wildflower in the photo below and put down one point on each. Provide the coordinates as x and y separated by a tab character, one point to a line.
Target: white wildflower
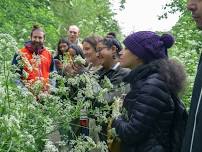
50	147
79	60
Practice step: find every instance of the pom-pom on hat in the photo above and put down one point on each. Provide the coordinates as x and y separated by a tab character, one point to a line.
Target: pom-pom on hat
149	46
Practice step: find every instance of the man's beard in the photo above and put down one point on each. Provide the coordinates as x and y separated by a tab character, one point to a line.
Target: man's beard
37	46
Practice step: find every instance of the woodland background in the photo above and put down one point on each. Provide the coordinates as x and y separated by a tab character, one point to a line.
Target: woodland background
22	122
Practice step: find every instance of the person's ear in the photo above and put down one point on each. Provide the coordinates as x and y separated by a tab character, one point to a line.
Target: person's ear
114	49
114	52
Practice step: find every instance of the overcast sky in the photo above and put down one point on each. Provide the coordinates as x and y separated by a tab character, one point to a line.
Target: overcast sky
142	15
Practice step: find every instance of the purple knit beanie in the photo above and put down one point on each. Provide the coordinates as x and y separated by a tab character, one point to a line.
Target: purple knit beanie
149	46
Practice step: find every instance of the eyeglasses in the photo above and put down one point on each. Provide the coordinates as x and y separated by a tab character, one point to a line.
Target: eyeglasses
100	49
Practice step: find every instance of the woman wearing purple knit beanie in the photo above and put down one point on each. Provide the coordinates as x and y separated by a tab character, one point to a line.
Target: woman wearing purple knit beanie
145	121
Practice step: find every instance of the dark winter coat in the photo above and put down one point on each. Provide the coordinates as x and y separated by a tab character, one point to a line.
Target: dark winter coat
149	108
193	136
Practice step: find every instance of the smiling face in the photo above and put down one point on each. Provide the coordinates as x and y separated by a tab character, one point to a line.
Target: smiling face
37	38
107	55
128	59
89	53
195	6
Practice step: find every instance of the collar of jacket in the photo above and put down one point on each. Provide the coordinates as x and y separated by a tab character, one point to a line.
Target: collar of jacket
102	72
140	72
114	67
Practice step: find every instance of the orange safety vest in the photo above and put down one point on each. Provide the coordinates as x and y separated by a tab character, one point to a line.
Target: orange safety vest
36	66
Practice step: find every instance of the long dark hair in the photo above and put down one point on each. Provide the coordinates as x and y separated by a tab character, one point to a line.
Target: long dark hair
77	49
58	51
173	73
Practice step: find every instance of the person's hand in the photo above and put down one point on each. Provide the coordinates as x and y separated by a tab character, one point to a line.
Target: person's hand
69	70
58	64
111	137
77	68
113	141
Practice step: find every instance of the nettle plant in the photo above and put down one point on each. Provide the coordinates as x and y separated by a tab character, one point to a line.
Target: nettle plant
26	122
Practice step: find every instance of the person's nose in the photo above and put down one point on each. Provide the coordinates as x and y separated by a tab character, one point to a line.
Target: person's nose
62	49
191	6
37	39
121	52
72	33
97	54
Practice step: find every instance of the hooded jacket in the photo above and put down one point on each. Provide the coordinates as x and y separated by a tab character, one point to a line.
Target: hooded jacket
148	108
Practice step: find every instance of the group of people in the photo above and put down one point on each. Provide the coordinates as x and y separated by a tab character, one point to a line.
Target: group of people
155	80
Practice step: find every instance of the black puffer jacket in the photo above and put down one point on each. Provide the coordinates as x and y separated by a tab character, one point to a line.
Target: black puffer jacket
149	108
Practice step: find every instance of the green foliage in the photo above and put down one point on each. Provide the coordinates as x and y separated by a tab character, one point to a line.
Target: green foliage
172	7
92	16
19	115
25	124
27	119
18	17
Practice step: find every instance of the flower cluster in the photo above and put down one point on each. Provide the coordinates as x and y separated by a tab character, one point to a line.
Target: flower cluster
26	122
8	46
